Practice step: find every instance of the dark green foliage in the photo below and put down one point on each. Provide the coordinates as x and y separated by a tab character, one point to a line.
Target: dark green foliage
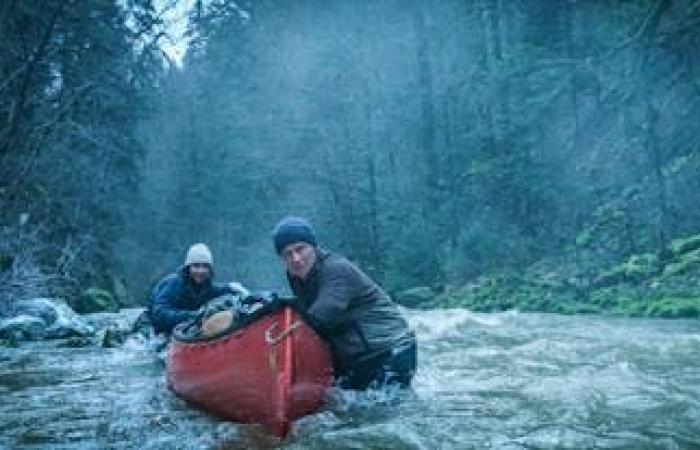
74	83
416	297
96	300
683	264
674	308
533	155
685	245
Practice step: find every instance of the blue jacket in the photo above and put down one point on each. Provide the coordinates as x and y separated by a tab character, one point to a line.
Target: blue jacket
176	297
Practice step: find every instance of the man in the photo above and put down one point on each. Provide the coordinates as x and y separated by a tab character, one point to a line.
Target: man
370	340
178	296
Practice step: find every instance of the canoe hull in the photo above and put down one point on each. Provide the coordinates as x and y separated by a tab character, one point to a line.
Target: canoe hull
272	372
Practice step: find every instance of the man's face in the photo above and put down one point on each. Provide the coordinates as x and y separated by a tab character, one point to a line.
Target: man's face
199	272
299	258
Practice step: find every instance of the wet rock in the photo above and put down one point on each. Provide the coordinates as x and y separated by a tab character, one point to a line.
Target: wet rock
143	325
77	342
111	337
127	319
43	308
22	328
55	318
67	323
115	328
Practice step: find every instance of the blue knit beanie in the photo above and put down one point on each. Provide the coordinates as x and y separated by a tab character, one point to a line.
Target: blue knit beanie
293	229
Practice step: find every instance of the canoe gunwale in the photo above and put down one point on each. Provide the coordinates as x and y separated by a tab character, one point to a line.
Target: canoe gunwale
188	332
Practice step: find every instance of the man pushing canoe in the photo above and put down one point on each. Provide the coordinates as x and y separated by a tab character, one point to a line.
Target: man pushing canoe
371	342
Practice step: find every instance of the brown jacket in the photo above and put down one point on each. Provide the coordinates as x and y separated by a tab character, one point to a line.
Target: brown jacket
354	314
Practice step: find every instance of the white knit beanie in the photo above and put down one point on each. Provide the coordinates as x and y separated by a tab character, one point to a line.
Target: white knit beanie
199	253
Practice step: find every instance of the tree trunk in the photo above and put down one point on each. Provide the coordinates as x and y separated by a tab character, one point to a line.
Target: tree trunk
432	199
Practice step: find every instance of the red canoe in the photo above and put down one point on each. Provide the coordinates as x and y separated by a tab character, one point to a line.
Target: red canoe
272	372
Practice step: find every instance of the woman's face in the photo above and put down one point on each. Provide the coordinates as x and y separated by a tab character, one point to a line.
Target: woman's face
299	258
199	272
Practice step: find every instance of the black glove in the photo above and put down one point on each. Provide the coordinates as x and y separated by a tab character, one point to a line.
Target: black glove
264	297
286	301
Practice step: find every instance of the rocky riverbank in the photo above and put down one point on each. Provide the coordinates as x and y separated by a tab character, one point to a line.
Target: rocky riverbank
53	319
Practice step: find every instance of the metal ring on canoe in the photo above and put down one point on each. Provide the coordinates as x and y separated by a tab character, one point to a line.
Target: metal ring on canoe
277	339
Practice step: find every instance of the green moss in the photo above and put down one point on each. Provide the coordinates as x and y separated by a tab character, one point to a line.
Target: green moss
577	308
641	266
604	298
687	262
685	245
506	291
97	300
672	307
676	165
629	306
636	268
584	238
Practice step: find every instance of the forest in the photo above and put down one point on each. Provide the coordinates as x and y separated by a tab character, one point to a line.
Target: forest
492	155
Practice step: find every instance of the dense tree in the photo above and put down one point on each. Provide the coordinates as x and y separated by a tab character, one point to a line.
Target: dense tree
74	81
434	142
431	142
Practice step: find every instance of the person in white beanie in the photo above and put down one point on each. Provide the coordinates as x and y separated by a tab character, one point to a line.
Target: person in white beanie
179	296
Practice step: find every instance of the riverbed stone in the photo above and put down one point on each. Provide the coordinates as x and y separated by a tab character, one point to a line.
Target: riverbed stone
22	328
115	328
127	319
43	308
68	323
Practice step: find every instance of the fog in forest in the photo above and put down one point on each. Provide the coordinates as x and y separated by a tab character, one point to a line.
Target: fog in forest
485	153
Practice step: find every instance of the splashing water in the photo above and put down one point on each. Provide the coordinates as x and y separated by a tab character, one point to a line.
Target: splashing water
505	380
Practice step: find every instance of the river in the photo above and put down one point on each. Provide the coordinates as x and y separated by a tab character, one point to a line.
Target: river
505	381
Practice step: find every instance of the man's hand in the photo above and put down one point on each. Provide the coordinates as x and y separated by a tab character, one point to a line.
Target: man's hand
286	301
264	297
238	288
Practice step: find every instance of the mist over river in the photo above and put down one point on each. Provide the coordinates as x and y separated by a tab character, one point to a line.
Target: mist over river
507	381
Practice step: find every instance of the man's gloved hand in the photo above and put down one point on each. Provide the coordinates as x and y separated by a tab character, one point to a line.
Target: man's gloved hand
286	301
264	297
239	289
269	298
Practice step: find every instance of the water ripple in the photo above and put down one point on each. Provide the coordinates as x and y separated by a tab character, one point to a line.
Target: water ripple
506	381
